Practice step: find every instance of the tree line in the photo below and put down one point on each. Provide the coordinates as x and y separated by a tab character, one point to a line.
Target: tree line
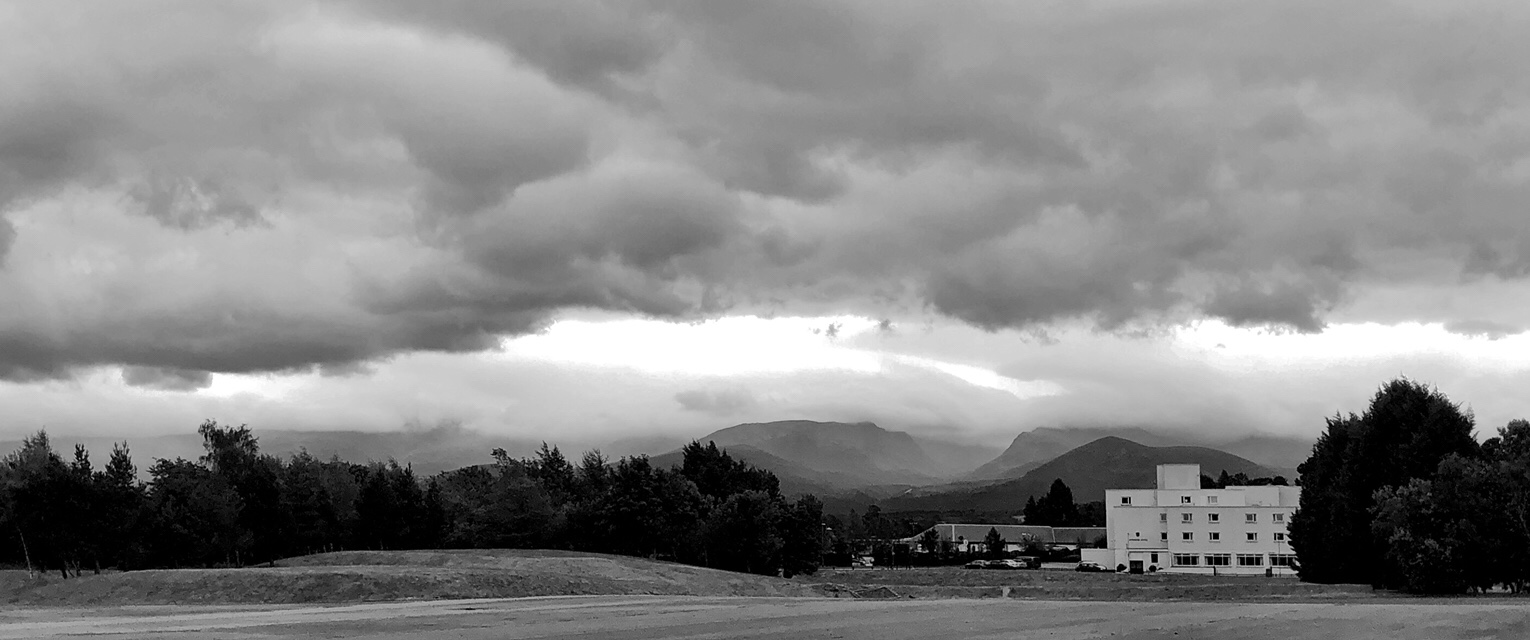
1402	496
237	506
1057	509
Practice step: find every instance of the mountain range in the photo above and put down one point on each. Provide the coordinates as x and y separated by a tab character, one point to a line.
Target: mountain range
1106	463
428	451
851	465
1033	448
848	465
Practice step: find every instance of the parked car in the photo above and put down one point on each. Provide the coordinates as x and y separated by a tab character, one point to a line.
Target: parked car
863	561
1092	567
1006	564
1029	562
978	564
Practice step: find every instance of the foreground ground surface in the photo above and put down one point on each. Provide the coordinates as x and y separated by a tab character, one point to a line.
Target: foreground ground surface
1054	584
379	576
681	617
374	576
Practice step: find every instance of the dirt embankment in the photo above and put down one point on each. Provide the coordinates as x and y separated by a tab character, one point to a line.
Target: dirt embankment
366	576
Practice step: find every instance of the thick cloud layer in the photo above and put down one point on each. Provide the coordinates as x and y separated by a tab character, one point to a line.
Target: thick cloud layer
202	187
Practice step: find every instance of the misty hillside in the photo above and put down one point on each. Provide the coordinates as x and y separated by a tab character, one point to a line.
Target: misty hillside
429	451
1034	448
838	492
1106	463
863	451
795	479
1274	452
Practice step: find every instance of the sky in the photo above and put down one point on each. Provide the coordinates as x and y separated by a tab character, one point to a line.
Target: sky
582	220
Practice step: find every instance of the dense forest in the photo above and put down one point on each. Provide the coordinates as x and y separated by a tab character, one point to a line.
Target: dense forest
236	506
1403	497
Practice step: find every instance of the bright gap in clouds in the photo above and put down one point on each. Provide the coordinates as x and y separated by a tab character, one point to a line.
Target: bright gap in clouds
742	345
725	346
749	345
1239	347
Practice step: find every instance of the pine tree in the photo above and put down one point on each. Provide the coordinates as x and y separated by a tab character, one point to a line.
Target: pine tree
995	543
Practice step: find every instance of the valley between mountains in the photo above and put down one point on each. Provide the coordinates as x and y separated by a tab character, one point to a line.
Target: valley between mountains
847	465
855	465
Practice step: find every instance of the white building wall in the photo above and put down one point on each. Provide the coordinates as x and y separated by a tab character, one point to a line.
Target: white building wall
1150	525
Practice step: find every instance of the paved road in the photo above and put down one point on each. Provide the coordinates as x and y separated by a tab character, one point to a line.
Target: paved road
623	617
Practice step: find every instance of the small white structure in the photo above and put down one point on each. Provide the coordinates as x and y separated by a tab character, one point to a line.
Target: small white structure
970	537
1180	527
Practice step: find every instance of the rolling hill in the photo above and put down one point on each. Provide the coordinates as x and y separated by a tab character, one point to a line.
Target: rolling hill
838	492
1107	463
1282	454
428	450
857	454
1033	448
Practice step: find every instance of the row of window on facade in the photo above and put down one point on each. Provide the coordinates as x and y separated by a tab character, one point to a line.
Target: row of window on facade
1248	518
1127	500
1214	536
1226	559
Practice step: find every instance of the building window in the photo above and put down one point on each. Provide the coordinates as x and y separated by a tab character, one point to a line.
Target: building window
1251	518
1215	536
1282	560
1278	517
1252	537
1250	560
1184	499
1280	537
1187	560
1163	536
1218	559
1186	517
1126	500
1154	558
1186	536
1211	499
1163	517
1213	517
1136	535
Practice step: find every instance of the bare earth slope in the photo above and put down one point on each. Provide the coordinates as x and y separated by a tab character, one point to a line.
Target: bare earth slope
362	576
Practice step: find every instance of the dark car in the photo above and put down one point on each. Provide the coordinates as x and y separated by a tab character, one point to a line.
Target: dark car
1093	567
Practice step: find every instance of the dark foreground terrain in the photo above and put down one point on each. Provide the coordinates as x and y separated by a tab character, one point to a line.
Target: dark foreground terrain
680	617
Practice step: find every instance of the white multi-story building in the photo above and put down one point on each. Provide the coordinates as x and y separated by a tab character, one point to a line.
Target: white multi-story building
1180	527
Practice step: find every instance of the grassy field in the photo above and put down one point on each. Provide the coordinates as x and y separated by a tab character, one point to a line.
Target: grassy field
956	582
371	576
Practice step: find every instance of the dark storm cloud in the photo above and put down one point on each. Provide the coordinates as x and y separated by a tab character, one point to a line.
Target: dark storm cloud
277	186
721	402
1253	305
166	379
579	42
1483	329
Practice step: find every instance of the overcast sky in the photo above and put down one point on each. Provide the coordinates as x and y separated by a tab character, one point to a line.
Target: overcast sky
580	220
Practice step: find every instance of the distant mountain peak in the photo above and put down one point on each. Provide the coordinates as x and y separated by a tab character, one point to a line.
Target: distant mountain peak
1107	462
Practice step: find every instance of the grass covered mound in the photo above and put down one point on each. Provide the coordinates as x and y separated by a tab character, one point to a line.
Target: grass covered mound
363	576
